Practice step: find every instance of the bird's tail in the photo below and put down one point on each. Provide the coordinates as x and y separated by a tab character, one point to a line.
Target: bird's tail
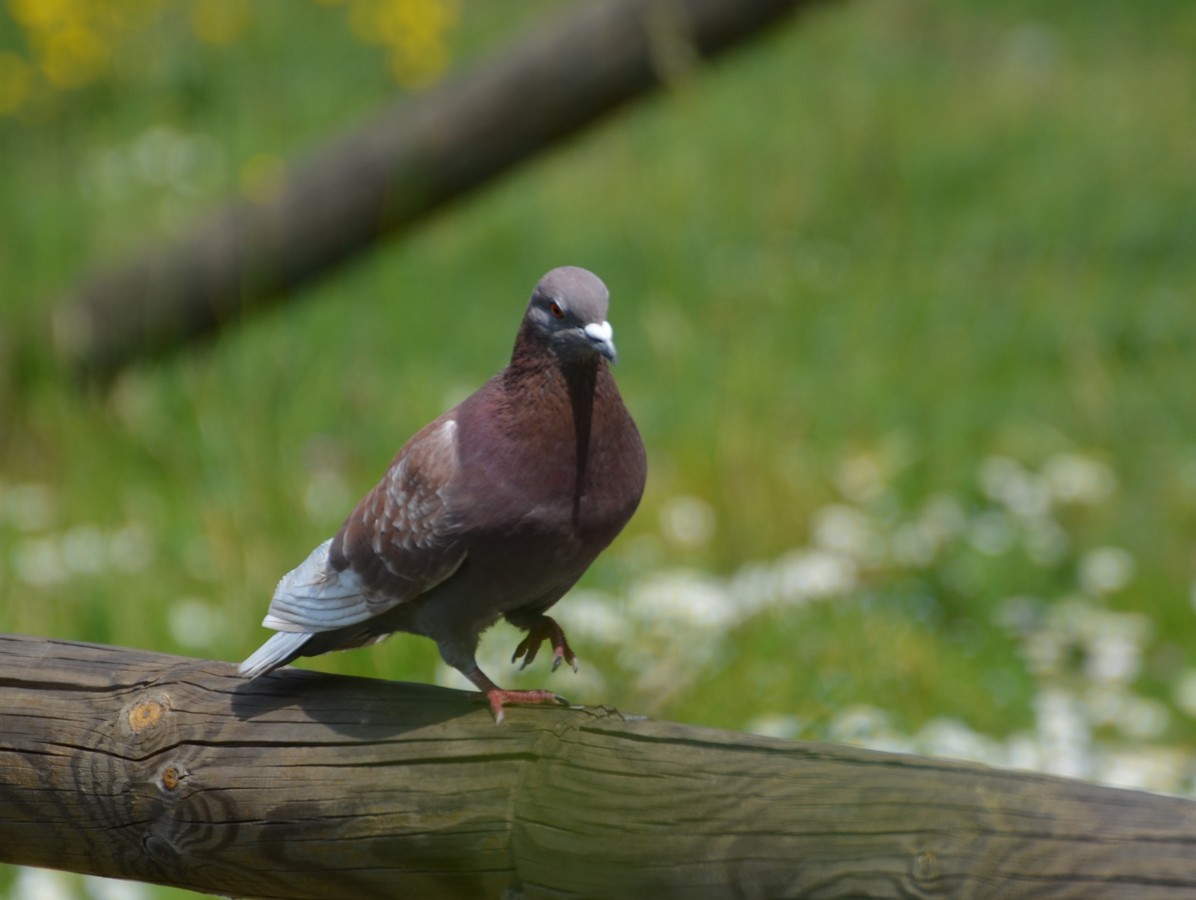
279	650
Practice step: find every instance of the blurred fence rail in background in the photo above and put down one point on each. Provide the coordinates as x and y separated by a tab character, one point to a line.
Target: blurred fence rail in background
423	154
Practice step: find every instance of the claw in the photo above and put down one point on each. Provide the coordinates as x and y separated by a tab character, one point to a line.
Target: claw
497	698
528	650
545	629
558	657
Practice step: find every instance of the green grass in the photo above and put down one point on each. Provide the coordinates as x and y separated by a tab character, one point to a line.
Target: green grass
920	234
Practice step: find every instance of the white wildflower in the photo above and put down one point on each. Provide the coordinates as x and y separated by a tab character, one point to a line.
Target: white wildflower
861	478
597	615
132	548
1184	692
1143	718
952	738
85	549
39	562
194	624
814	574
1144	768
777	725
991	533
42	884
683	596
1080	480
848	531
1064	734
1045	541
913	544
1105	570
687	521
1113	658
859	724
114	889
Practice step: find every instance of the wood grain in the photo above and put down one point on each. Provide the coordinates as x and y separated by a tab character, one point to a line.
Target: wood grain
300	785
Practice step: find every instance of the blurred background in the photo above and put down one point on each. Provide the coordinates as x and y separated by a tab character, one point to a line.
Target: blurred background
905	298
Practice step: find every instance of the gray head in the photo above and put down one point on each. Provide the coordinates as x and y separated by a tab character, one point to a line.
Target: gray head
568	311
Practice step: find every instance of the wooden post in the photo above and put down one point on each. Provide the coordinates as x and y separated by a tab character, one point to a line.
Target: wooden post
412	160
159	768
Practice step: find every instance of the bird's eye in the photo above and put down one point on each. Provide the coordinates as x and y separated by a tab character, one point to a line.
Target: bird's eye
555	309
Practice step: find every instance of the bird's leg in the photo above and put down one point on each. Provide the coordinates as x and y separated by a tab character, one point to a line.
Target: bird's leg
491	693
544	629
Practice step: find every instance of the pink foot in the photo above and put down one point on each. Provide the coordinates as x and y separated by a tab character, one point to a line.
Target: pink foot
491	693
545	629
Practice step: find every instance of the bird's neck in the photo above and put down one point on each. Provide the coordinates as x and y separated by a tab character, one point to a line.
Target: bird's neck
535	371
581	380
564	388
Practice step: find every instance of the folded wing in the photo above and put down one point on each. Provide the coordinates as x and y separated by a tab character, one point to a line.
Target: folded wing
402	539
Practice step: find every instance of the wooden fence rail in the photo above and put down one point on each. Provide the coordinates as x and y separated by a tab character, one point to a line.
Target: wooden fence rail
165	769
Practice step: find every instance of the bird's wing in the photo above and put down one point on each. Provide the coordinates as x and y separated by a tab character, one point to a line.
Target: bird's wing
402	540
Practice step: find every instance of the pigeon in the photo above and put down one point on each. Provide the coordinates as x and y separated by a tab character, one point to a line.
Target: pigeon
494	510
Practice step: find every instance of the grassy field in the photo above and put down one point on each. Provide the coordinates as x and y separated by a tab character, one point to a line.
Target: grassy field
904	297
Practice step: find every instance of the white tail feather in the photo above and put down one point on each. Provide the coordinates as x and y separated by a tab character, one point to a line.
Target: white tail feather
277	651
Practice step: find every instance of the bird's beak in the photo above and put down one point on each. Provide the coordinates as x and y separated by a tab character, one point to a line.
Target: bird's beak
601	336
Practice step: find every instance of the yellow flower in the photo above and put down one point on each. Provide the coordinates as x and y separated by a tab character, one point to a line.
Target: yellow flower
72	55
413	31
220	21
16	81
41	15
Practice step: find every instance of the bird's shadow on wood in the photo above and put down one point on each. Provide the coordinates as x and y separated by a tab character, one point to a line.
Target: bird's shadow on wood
360	708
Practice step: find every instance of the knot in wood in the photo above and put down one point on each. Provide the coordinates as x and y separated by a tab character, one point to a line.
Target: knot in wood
171	778
144	715
926	865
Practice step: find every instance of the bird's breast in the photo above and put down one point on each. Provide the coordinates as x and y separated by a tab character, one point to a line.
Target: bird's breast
563	469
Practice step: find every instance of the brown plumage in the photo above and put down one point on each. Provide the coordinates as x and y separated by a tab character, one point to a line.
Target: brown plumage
495	509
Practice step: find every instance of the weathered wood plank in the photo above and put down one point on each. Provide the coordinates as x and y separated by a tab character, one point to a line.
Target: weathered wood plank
139	765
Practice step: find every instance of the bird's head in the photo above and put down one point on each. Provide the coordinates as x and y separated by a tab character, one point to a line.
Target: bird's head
568	312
